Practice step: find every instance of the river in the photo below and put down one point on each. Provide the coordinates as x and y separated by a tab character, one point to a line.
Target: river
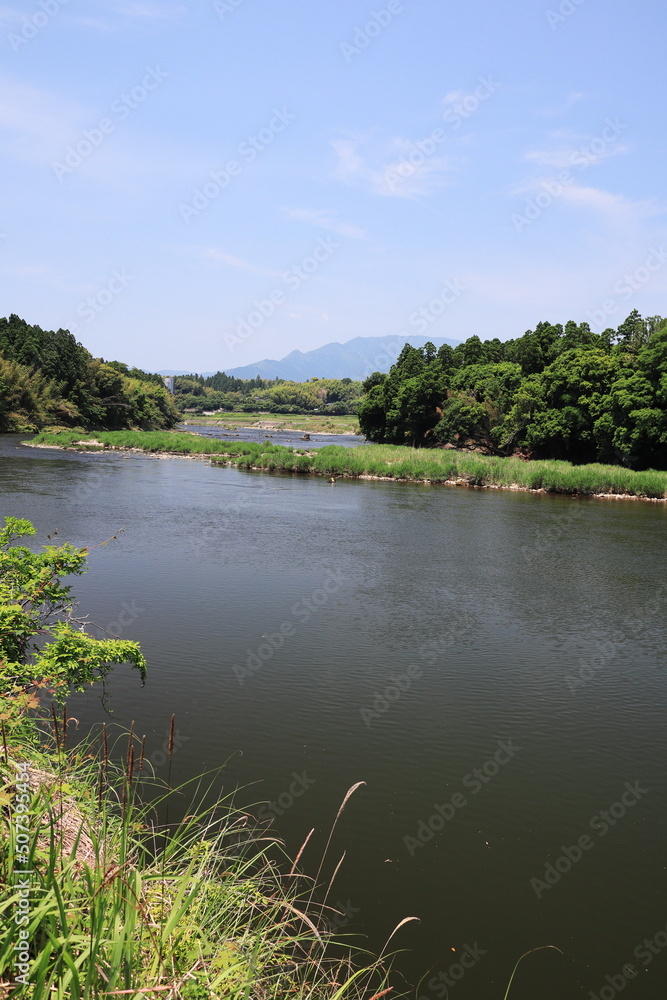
490	663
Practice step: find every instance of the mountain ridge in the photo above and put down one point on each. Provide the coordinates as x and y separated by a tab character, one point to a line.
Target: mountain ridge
356	359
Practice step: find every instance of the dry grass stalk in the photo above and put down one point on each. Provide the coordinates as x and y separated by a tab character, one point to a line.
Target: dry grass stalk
69	824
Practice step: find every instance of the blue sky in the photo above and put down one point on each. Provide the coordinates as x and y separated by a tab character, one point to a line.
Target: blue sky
200	186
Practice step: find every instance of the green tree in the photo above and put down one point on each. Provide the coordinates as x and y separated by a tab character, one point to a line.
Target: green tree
632	333
27	398
575	395
480	403
555	392
414	409
42	643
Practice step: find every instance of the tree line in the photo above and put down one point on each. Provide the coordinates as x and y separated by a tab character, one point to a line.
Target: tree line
329	396
48	378
556	392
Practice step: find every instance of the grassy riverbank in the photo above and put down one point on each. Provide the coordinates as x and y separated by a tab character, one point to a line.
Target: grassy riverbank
384	461
311	423
205	908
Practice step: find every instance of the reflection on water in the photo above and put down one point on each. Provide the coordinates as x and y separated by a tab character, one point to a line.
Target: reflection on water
407	636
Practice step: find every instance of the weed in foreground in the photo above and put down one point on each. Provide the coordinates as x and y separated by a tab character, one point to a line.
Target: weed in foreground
202	908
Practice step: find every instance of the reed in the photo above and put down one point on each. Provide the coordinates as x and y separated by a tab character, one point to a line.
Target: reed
385	461
204	908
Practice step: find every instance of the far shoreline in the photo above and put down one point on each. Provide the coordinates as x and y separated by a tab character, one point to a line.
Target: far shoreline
301	423
267	427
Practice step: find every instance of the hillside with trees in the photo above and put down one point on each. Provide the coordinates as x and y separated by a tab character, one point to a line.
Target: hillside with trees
556	392
330	396
49	379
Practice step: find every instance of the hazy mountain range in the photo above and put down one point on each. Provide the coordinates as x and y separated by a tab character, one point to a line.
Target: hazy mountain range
356	359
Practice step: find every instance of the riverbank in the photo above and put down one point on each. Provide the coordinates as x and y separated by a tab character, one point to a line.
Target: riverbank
119	900
443	467
306	423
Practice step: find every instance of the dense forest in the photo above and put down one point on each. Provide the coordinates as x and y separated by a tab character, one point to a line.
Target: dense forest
556	392
49	379
224	392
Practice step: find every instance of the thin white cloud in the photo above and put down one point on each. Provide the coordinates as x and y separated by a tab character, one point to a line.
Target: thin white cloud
114	15
217	257
402	168
610	205
145	10
350	164
589	198
569	149
106	15
325	220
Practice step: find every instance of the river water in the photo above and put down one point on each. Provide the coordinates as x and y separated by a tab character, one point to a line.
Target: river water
490	663
288	438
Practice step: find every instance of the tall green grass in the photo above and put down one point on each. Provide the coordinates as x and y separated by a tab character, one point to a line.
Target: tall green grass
390	461
201	909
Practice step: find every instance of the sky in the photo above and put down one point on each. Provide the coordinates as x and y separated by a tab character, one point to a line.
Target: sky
199	186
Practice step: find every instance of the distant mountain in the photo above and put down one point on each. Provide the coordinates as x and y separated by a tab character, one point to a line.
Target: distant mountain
356	359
